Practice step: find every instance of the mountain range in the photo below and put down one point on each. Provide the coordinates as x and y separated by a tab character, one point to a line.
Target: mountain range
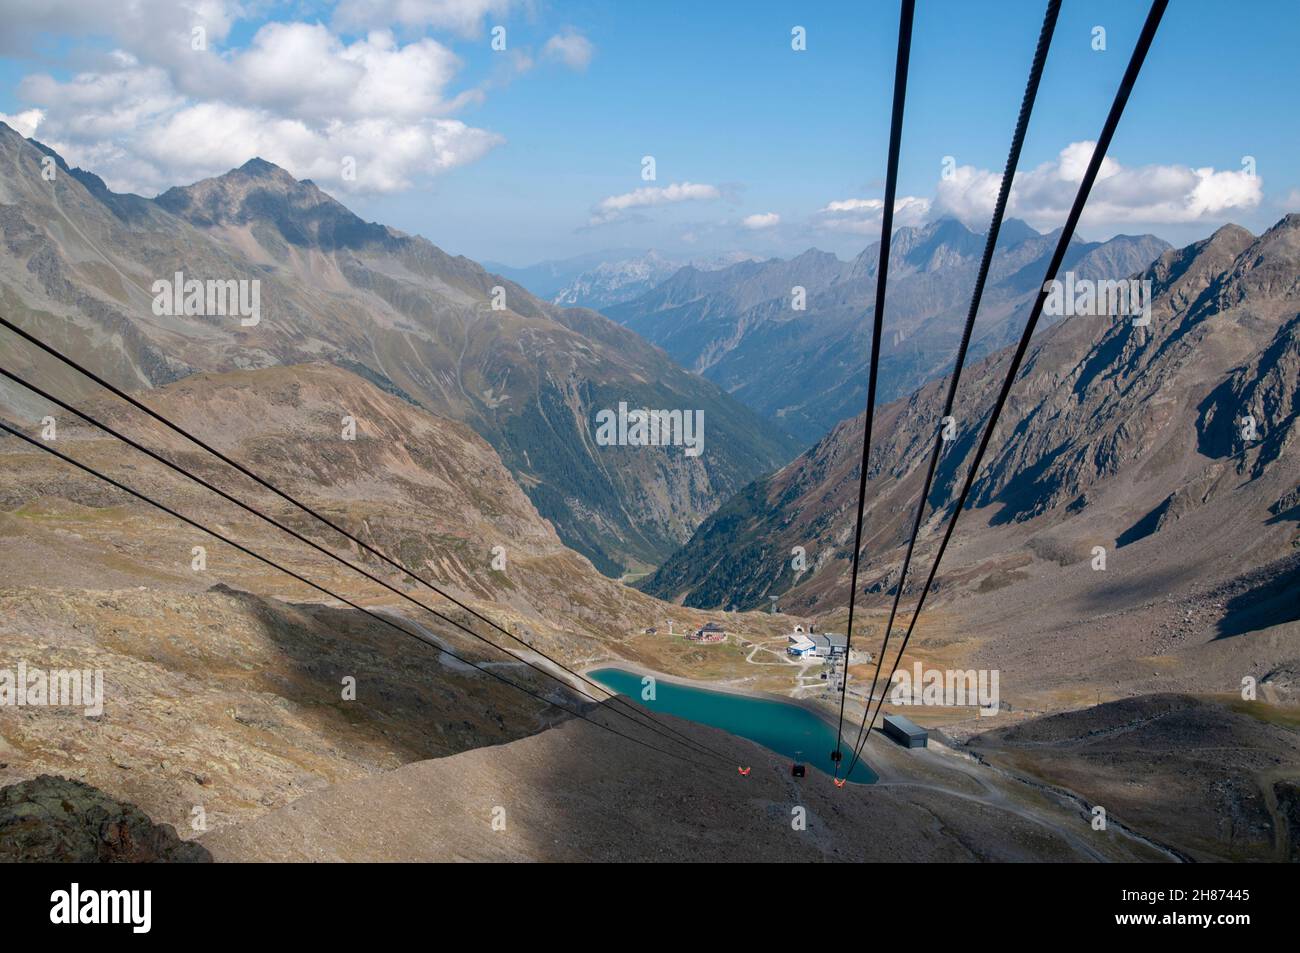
599	280
1129	438
806	368
547	278
437	331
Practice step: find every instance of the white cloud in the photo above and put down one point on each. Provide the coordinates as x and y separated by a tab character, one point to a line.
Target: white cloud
855	205
761	220
297	95
571	48
96	106
969	195
1122	195
464	17
24	123
863	216
160	24
306	71
614	207
216	137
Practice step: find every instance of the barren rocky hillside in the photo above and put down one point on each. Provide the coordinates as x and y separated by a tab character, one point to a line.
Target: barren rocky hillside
1217	777
426	490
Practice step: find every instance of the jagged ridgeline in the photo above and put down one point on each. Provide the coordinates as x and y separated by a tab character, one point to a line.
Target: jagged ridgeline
791	339
528	376
1116	429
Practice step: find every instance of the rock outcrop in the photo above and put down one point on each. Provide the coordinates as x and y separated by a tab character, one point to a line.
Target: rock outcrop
56	820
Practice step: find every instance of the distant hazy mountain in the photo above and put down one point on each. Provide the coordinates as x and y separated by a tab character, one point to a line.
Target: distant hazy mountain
806	369
546	278
1115	435
615	280
79	264
602	278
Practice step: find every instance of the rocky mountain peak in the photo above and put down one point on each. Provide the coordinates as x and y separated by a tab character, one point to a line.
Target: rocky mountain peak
1230	234
257	167
9	136
1183	275
816	256
1278	249
262	193
1014	231
1264	268
942	242
944	234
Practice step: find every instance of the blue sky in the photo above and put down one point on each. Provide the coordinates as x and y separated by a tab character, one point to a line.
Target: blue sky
509	155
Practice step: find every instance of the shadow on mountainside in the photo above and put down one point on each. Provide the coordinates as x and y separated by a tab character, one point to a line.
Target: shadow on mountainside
410	699
578	793
1135	587
1267	597
604	799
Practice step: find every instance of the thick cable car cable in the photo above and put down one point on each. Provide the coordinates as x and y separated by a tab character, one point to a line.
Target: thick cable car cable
882	277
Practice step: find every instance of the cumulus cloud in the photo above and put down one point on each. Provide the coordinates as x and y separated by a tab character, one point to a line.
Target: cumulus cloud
615	207
214	136
1122	195
24	123
306	71
761	220
570	48
94	106
460	16
864	216
969	194
165	25
296	94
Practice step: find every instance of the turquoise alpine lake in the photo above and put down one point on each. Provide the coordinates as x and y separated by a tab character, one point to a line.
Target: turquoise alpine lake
787	729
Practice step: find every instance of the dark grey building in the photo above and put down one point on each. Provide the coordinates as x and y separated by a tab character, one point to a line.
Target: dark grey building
905	732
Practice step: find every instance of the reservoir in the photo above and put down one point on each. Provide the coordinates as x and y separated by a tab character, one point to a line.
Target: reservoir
787	729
